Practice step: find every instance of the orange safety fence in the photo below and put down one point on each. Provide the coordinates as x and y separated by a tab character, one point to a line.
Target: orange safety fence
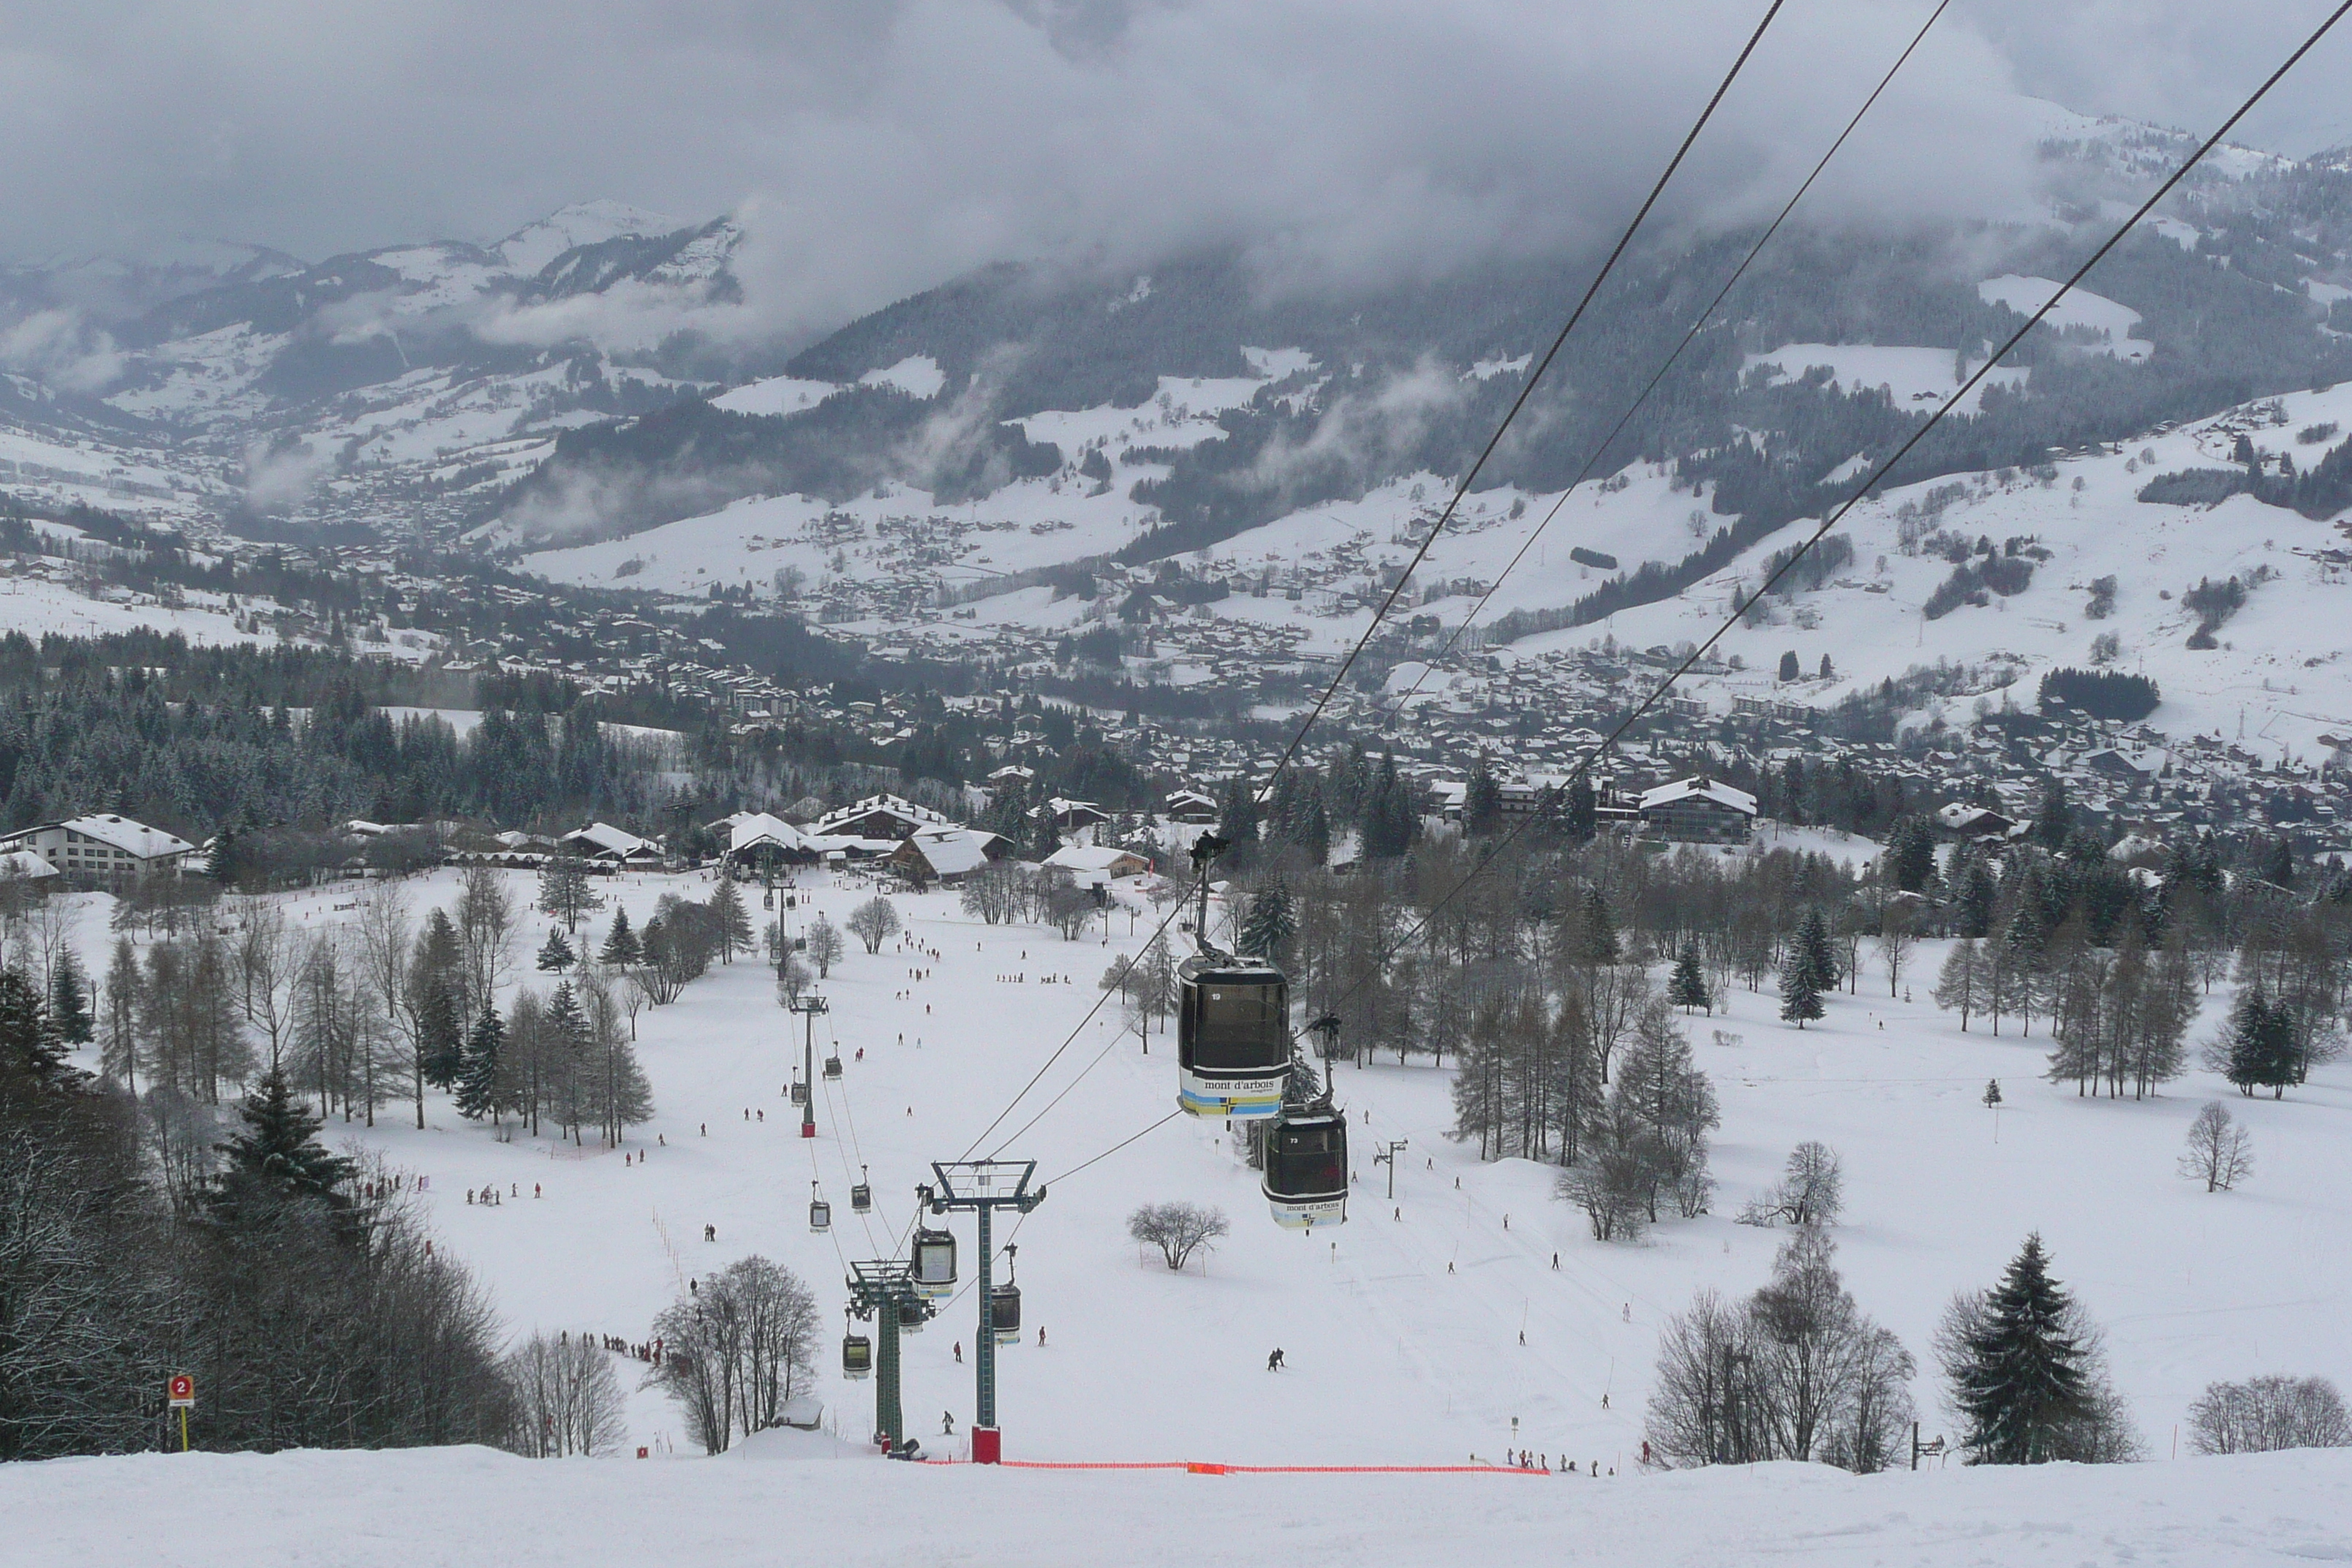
1198	1467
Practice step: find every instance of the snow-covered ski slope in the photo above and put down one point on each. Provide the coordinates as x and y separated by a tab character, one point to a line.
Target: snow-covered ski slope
451	1508
1401	1328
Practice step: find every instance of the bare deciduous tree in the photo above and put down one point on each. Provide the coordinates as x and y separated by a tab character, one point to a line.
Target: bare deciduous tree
567	1399
738	1350
1811	1191
873	922
1177	1229
2220	1152
1796	1372
824	946
2264	1414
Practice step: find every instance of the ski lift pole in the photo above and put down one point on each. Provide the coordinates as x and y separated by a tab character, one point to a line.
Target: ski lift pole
808	1005
984	1187
886	1290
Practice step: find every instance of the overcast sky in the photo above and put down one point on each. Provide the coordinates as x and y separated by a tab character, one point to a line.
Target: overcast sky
878	145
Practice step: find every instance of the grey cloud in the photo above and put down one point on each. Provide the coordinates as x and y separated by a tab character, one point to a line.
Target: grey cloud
875	148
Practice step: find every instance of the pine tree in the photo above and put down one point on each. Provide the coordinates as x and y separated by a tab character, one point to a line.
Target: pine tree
276	1164
1812	948
734	923
2259	1045
477	1082
434	976
620	950
1481	800
220	858
1271	924
1789	668
563	889
1801	999
556	955
29	1046
1687	988
1596	935
1582	809
70	1008
2019	1377
2054	818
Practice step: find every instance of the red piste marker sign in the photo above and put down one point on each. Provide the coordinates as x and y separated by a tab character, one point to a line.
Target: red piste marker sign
182	1391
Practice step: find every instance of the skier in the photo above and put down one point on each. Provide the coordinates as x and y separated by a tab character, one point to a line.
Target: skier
959	1350
1273	1362
1041	1336
947	1423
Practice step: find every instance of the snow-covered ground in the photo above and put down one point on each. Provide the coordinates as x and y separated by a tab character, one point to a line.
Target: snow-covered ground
453	1508
1401	1328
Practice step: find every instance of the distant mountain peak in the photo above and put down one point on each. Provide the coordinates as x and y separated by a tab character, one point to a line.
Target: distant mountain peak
533	246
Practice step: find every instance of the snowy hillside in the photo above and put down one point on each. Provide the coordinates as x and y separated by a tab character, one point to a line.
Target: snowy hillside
1402	1327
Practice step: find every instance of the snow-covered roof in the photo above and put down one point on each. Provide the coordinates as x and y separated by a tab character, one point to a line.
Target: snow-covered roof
750	829
25	863
897	805
1088	858
604	838
135	838
953	851
1723	794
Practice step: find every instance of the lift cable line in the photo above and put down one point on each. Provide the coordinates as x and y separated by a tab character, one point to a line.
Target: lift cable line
1600	451
1526	390
1837	514
1535	375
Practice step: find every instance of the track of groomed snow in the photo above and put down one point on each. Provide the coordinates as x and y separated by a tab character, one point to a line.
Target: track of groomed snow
458	1507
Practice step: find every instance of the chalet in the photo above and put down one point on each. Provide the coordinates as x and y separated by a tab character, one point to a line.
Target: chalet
947	854
601	841
1698	810
1974	822
1092	868
1189	805
1068	814
108	851
759	841
877	816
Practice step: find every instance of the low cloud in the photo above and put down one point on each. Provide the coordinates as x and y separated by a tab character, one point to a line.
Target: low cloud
873	150
63	349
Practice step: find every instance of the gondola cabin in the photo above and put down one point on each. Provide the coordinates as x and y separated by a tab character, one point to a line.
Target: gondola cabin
1305	1179
832	1067
912	1316
1233	1036
1004	1313
856	1356
861	1199
799	1092
935	1263
820	1214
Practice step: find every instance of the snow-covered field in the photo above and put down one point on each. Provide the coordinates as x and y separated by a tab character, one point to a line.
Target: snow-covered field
1401	1328
455	1508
